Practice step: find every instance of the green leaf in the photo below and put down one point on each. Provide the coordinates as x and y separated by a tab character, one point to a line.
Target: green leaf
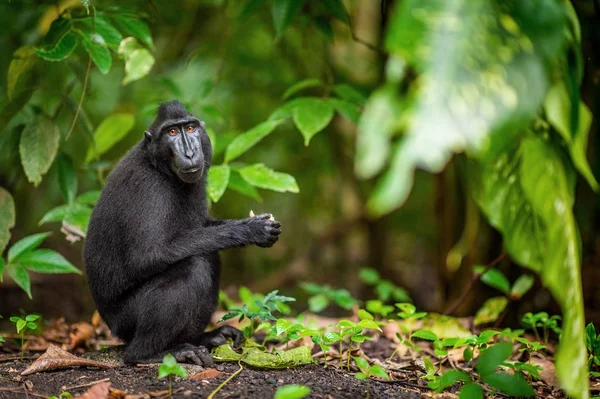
378	371
521	286
237	183
60	50
311	115
337	9
38	147
137	65
292	392
100	25
89	197
14	319
25	245
283	12
7	218
349	93
31	326
75	214
369	324
494	278
47	261
261	176
425	334
112	129
318	303
361	376
20	70
369	276
132	26
491	310
249	139
21	324
347	109
471	391
361	363
301	85
468	354
364	315
97	49
448	379
67	177
218	178
32	317
489	360
511	384
590	337
19	275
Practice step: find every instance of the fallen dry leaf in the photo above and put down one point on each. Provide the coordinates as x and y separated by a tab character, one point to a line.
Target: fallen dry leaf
80	334
98	391
56	358
205	375
548	373
434	395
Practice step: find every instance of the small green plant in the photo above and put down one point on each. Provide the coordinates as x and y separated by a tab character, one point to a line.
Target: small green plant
385	289
259	313
292	392
592	342
287	329
168	369
323	295
366	372
377	307
547	323
408	313
354	331
63	395
22	325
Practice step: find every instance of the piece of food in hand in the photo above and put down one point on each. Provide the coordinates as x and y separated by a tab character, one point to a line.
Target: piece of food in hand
252	215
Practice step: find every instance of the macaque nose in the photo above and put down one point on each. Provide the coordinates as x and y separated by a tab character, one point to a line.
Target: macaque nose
189	153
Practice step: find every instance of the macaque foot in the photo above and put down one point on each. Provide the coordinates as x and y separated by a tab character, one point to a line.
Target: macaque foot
188	353
218	337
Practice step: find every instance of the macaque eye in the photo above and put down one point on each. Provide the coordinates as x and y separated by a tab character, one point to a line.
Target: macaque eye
172	132
191	129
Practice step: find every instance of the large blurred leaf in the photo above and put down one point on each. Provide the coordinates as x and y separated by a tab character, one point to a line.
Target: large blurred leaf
19	70
19	275
249	139
261	176
67	177
138	60
38	147
494	278
132	26
311	115
47	261
218	177
7	217
283	12
526	194
110	132
76	214
25	244
337	9
491	310
61	50
483	67
301	85
347	109
237	183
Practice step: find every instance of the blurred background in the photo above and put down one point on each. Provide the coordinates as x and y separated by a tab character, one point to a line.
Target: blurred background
232	70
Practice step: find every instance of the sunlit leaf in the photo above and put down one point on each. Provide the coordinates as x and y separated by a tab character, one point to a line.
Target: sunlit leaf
20	68
218	178
19	275
137	65
521	286
111	130
347	109
494	278
38	147
75	214
311	115
249	139
47	261
424	334
261	176
7	217
491	310
25	245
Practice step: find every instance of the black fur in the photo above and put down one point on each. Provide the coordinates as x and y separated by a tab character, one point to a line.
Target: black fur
151	251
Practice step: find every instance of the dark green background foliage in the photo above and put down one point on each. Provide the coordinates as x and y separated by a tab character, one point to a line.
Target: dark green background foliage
417	138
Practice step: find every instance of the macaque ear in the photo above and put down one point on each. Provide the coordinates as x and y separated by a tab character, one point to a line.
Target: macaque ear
203	124
148	135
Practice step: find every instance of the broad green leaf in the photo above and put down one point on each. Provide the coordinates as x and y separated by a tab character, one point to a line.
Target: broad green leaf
590	336
218	178
471	390
361	363
489	359
303	84
19	275
369	276
21	324
47	261
424	334
361	376
261	176
345	108
61	50
97	48
237	183
75	214
311	115
31	326
67	177
349	93
494	278
369	324
126	48
513	385
476	76
7	217
38	147
249	139
318	303
448	379
491	310
111	130
521	286
32	317
132	26
20	68
100	25
292	392
336	9
137	65
283	12
89	197
364	315
378	371
25	245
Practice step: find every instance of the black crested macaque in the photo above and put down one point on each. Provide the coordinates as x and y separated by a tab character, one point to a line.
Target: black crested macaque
151	251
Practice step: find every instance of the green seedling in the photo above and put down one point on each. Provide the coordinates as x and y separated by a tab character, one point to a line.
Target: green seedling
592	342
530	346
430	373
385	289
366	372
288	330
22	325
325	339
533	371
168	369
292	392
544	321
259	313
377	307
323	295
63	395
355	331
408	313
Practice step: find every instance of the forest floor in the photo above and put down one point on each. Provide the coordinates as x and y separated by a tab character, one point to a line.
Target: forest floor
55	376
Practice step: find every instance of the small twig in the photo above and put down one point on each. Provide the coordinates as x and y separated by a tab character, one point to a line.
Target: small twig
18	389
213	393
469	287
6	359
358	40
65	389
